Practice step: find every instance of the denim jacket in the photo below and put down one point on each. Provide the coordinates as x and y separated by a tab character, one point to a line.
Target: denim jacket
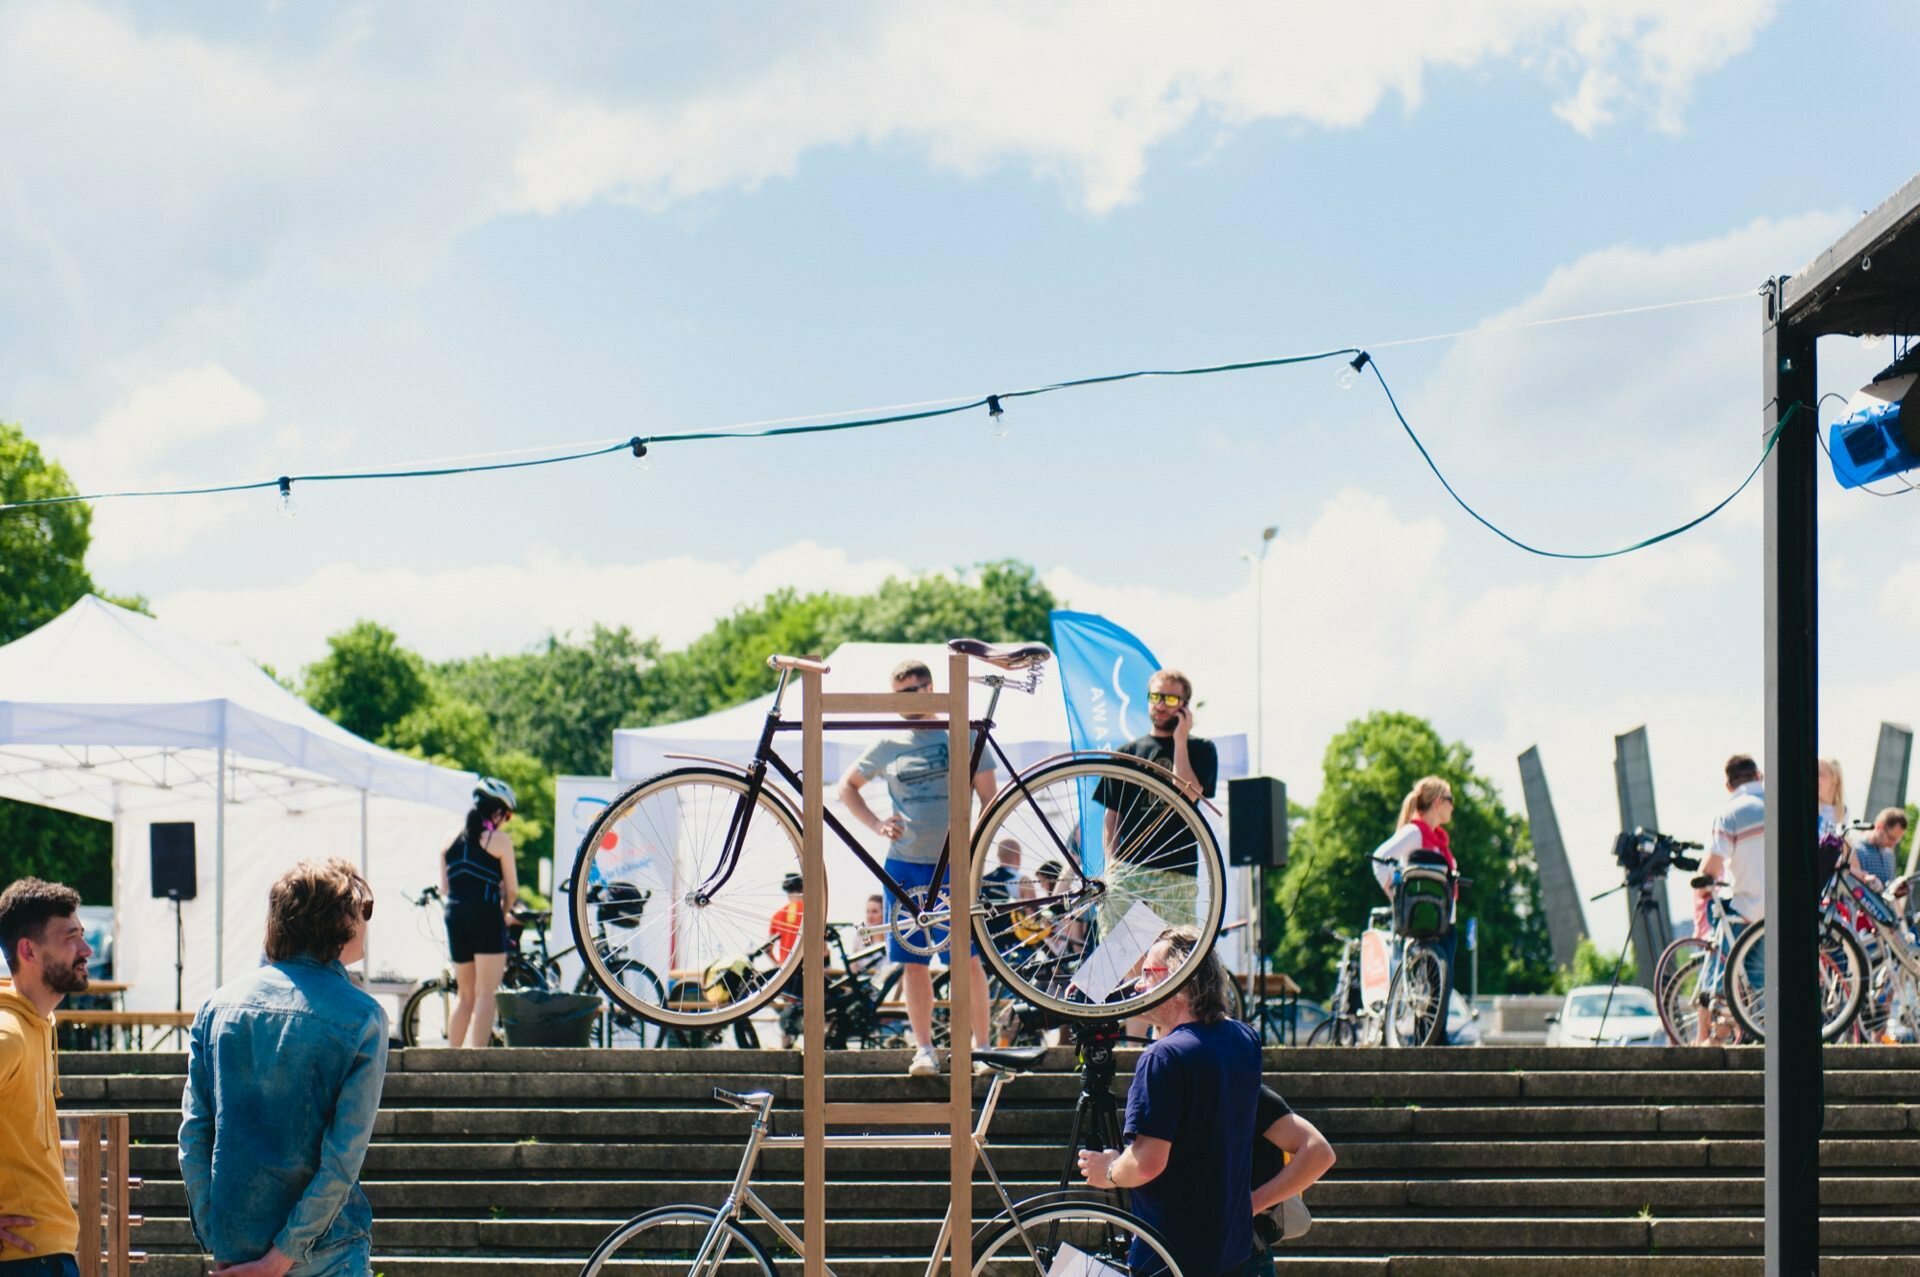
284	1069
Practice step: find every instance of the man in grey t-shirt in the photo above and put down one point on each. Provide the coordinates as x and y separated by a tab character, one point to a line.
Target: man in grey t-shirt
914	764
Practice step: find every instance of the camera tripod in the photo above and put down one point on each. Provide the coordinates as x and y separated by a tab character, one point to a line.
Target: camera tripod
1096	1115
1644	913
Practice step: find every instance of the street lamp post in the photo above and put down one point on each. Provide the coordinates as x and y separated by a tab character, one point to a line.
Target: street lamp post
1256	874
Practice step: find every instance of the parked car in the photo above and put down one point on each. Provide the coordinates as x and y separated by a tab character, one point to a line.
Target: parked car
1632	1019
1463	1022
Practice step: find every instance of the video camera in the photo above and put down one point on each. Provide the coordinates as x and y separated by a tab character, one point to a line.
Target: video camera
1647	853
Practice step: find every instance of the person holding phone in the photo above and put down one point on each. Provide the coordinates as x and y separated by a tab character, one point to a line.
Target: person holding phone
1134	830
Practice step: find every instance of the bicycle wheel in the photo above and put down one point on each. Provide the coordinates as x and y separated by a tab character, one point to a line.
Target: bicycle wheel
1679	1014
1843	976
622	1027
1338	1031
663	1242
1416	1012
1073	950
423	1020
674	900
1031	1245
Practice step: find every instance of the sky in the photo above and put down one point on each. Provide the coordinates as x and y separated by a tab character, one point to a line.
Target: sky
241	241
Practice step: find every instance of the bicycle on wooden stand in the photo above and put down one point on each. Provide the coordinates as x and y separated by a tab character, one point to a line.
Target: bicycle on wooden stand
714	842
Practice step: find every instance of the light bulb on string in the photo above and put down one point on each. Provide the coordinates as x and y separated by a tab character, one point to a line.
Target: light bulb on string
996	417
639	447
285	502
1351	373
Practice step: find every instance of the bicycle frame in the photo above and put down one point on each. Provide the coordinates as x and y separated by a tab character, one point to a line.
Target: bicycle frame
764	757
742	1199
1863	903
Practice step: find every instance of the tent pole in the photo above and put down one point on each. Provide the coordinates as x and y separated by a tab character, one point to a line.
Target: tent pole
219	866
366	959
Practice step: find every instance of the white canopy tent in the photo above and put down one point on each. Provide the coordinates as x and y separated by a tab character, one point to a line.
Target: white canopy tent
113	715
1027	727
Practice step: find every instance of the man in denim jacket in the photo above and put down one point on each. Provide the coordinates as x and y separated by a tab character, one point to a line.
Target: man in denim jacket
284	1069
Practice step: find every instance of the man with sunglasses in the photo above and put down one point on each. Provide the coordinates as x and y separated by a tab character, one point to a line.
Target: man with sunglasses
284	1069
1136	831
914	765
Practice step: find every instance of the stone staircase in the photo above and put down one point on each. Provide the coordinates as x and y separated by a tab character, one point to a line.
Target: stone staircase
1491	1162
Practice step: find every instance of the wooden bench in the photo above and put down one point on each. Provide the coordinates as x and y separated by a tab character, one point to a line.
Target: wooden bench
133	1025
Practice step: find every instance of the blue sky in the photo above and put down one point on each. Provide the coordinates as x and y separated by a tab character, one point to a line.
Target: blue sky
240	242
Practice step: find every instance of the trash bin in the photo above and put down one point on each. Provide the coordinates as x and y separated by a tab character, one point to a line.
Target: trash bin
538	1017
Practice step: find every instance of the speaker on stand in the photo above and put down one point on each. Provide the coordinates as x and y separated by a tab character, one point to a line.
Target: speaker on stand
173	875
1257	840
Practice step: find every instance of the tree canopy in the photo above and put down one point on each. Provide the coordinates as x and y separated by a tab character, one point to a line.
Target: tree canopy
43	551
1369	767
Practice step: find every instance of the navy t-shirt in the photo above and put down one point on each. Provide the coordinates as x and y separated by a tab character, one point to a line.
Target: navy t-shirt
1197	1089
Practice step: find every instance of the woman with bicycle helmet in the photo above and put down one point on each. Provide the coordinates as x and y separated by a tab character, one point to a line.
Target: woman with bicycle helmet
478	882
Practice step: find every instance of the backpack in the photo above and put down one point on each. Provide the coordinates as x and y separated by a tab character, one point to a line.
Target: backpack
1423	901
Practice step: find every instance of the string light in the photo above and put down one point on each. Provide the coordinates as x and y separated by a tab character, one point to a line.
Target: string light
1356	361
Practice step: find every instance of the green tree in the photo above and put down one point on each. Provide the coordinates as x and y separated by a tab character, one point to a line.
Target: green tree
43	573
43	549
561	702
1369	768
1001	601
366	682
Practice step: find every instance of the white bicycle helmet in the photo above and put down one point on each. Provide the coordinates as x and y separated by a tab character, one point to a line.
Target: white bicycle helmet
498	790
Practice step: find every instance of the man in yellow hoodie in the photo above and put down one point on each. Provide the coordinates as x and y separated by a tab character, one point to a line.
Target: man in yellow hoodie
46	950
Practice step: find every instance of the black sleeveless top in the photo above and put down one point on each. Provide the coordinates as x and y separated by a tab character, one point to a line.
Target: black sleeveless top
473	874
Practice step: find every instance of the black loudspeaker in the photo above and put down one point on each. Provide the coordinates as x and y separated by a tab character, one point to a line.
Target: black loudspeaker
170	843
1257	822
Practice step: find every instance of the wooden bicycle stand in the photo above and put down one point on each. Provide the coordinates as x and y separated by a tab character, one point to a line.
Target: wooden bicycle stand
102	1187
957	1113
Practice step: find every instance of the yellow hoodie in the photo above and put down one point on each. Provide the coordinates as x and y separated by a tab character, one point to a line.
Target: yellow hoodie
32	1174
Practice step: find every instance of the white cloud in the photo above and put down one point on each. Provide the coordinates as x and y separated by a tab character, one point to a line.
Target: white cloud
460	611
1083	92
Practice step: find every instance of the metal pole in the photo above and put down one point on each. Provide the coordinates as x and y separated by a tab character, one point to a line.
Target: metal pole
1795	1090
220	862
1256	875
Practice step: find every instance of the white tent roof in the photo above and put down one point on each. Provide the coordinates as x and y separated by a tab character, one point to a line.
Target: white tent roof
97	705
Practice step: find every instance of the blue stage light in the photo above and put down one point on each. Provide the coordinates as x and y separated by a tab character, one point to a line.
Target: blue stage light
1880	435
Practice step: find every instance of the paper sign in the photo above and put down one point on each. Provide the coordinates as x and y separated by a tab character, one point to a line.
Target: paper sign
1074	1262
1115	957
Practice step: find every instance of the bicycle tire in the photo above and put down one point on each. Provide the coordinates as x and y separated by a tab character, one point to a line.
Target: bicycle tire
1334	1032
1031	1243
1842	982
685	815
1681	1018
1416	1010
415	1010
620	1020
1039	810
669	1237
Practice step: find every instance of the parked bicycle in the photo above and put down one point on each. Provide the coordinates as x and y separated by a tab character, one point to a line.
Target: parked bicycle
1843	972
1688	980
428	1009
1048	1233
716	840
1355	1021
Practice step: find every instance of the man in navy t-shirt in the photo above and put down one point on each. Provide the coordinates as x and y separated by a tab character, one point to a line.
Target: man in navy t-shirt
1190	1119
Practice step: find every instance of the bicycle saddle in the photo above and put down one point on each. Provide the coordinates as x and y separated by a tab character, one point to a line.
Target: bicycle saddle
1007	656
1015	1059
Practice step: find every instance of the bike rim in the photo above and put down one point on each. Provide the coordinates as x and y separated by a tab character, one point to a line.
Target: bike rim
666	838
1035	1245
665	1242
1040	951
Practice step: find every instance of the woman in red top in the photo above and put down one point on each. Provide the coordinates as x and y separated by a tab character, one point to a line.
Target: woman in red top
1422	825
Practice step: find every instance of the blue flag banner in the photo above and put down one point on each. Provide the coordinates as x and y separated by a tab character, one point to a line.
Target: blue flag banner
1104	671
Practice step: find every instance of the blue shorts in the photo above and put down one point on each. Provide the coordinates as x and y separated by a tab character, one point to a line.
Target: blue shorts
910	874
